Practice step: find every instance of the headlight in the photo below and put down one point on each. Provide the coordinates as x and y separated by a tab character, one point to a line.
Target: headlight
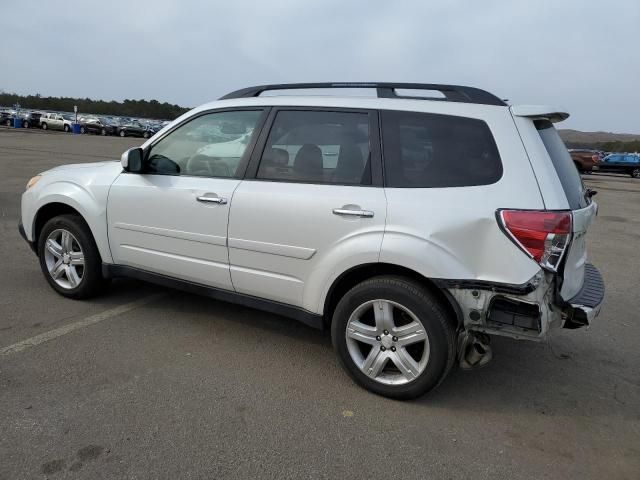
33	181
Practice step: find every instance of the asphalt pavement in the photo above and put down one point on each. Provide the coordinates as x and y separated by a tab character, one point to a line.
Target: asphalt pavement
146	382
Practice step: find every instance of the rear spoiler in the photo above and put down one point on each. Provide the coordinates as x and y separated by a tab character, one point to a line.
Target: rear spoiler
539	111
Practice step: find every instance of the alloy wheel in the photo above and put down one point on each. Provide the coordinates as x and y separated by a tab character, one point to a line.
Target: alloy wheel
387	342
64	258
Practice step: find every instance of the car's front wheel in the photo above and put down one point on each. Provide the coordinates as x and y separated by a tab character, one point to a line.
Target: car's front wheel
123	133
393	337
103	132
69	257
67	129
44	126
635	173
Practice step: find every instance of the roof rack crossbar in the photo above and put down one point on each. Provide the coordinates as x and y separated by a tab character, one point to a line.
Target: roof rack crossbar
451	93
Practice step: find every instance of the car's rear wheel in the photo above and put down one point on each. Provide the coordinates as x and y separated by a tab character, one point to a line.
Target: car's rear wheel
25	124
103	132
122	133
393	337
69	257
635	173
8	122
82	130
44	126
67	129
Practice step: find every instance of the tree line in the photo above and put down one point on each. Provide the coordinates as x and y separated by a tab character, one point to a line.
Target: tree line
126	108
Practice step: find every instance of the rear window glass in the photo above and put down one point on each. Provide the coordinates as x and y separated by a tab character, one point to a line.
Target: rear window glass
423	150
561	159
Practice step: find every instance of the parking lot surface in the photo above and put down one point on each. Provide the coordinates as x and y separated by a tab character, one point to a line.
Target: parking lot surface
145	382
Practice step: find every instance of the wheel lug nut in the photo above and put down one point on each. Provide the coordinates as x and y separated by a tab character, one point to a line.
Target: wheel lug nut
393	349
386	332
378	337
394	338
383	348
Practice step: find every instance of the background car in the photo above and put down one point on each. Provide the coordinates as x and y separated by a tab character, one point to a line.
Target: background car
628	163
31	119
57	121
133	128
97	126
585	160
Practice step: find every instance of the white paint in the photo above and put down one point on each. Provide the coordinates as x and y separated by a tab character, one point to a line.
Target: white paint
72	327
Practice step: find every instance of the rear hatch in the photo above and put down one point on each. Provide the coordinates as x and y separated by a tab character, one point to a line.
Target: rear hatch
582	208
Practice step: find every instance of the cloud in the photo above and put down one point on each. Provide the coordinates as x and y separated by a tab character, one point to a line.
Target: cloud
576	54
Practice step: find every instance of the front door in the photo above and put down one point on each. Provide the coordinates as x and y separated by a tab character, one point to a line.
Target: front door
173	218
311	204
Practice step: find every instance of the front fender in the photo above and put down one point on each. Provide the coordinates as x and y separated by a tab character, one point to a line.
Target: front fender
90	204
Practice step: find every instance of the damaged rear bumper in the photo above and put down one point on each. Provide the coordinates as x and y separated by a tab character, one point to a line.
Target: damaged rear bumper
582	309
526	311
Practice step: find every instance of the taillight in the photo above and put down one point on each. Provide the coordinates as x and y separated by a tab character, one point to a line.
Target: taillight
543	235
595	158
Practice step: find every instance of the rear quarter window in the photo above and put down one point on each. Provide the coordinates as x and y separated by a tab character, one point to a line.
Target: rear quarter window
567	172
424	150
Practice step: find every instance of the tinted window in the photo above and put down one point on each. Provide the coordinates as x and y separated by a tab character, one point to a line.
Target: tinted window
424	150
566	170
318	147
211	145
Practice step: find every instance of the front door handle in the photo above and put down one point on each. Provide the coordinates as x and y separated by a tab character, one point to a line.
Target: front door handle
205	199
353	213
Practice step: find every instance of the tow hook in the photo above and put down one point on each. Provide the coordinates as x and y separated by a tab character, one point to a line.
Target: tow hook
474	350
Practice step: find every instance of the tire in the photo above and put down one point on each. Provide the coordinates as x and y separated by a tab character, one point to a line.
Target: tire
25	124
44	126
409	303
103	132
123	133
67	129
145	135
77	281
8	122
635	173
82	130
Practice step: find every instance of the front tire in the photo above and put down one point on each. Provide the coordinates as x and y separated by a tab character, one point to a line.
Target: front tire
103	132
69	257
393	337
635	173
82	130
44	126
67	129
122	133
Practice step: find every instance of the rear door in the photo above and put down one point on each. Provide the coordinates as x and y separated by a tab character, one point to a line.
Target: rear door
311	205
583	209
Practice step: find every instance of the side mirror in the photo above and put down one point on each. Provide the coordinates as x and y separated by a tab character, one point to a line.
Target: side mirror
131	160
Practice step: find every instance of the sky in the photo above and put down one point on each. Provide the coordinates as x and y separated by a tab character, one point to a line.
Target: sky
581	55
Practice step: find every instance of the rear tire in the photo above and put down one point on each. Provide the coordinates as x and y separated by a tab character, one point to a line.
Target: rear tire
635	173
82	130
122	133
44	126
67	129
103	132
73	267
404	358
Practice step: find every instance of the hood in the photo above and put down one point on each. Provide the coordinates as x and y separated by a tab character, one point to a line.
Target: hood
113	164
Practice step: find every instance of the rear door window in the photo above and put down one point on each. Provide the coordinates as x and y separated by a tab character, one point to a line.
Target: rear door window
322	147
424	150
561	159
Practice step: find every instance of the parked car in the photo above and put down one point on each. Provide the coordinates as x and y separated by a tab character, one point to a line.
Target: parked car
6	118
133	128
97	126
413	229
31	119
57	121
586	161
628	163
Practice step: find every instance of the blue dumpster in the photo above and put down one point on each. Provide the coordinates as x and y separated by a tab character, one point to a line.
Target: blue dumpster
76	128
17	122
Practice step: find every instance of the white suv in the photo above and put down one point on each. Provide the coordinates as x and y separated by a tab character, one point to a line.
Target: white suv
413	227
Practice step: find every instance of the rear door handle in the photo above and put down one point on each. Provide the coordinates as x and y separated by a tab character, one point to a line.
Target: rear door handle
353	213
206	199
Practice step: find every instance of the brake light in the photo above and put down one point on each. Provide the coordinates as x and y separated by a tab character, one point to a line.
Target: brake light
595	158
543	235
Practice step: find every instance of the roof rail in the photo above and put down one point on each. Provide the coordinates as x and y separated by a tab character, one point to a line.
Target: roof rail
452	93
